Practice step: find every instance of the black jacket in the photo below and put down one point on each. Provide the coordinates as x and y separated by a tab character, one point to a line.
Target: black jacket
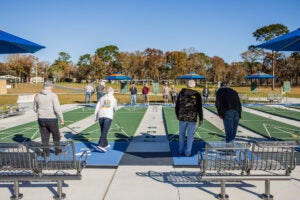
227	99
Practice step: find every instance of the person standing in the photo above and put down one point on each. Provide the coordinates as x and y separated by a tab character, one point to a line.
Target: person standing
133	92
104	113
229	110
88	93
47	107
100	89
173	94
166	93
188	107
145	92
205	93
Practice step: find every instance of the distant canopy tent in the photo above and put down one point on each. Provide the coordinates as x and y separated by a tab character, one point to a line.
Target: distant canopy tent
118	76
10	44
259	76
191	75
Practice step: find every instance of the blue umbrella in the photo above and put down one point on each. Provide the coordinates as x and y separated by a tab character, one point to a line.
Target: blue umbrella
191	75
10	44
286	42
259	75
118	76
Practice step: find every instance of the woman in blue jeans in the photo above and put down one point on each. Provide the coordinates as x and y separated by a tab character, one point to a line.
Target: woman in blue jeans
104	113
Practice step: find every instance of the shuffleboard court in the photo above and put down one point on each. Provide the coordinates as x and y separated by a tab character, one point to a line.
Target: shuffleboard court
206	132
30	131
281	112
294	106
123	127
266	127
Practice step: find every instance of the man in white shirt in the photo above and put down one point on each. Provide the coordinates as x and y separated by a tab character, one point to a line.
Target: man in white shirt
88	93
104	113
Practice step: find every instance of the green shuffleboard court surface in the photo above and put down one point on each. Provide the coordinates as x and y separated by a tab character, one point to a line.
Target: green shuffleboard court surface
206	132
281	112
123	127
267	127
294	106
30	131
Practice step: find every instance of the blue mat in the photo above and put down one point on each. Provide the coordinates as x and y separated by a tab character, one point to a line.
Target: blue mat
181	160
97	158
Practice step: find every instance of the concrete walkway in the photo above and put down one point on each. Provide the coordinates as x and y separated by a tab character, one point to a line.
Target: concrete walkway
151	181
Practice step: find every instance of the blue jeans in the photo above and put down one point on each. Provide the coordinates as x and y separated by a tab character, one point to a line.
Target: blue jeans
133	99
104	127
186	128
99	95
231	122
88	97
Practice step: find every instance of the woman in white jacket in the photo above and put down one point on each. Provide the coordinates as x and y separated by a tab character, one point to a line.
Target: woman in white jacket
104	113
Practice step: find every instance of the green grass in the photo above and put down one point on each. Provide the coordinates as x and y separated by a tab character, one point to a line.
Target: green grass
206	132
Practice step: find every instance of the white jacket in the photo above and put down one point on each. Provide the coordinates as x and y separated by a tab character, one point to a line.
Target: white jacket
106	106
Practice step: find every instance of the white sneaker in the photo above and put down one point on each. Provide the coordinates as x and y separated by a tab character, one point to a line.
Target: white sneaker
102	149
107	146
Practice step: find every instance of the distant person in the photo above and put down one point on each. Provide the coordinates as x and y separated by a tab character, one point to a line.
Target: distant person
47	107
145	92
88	93
173	94
165	92
133	92
104	113
188	107
229	110
205	93
100	90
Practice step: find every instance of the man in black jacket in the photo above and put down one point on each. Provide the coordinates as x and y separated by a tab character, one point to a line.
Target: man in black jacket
188	107
229	109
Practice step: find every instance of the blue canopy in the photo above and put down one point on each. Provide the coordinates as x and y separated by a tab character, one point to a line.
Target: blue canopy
10	44
118	76
286	42
259	75
191	75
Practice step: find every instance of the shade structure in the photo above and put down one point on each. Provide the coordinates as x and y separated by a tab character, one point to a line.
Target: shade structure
191	75
286	42
259	75
118	76
10	44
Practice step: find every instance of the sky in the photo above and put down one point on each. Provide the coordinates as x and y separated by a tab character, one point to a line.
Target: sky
214	27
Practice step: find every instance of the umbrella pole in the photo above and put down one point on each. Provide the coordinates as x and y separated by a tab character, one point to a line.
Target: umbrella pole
273	66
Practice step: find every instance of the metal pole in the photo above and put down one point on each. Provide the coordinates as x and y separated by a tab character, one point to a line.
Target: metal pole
273	71
35	72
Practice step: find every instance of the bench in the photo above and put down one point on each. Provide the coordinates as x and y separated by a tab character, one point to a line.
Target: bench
235	162
273	97
11	110
33	161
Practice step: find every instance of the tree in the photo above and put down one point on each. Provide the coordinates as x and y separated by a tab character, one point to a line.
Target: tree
178	61
154	61
61	68
108	55
267	33
217	71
